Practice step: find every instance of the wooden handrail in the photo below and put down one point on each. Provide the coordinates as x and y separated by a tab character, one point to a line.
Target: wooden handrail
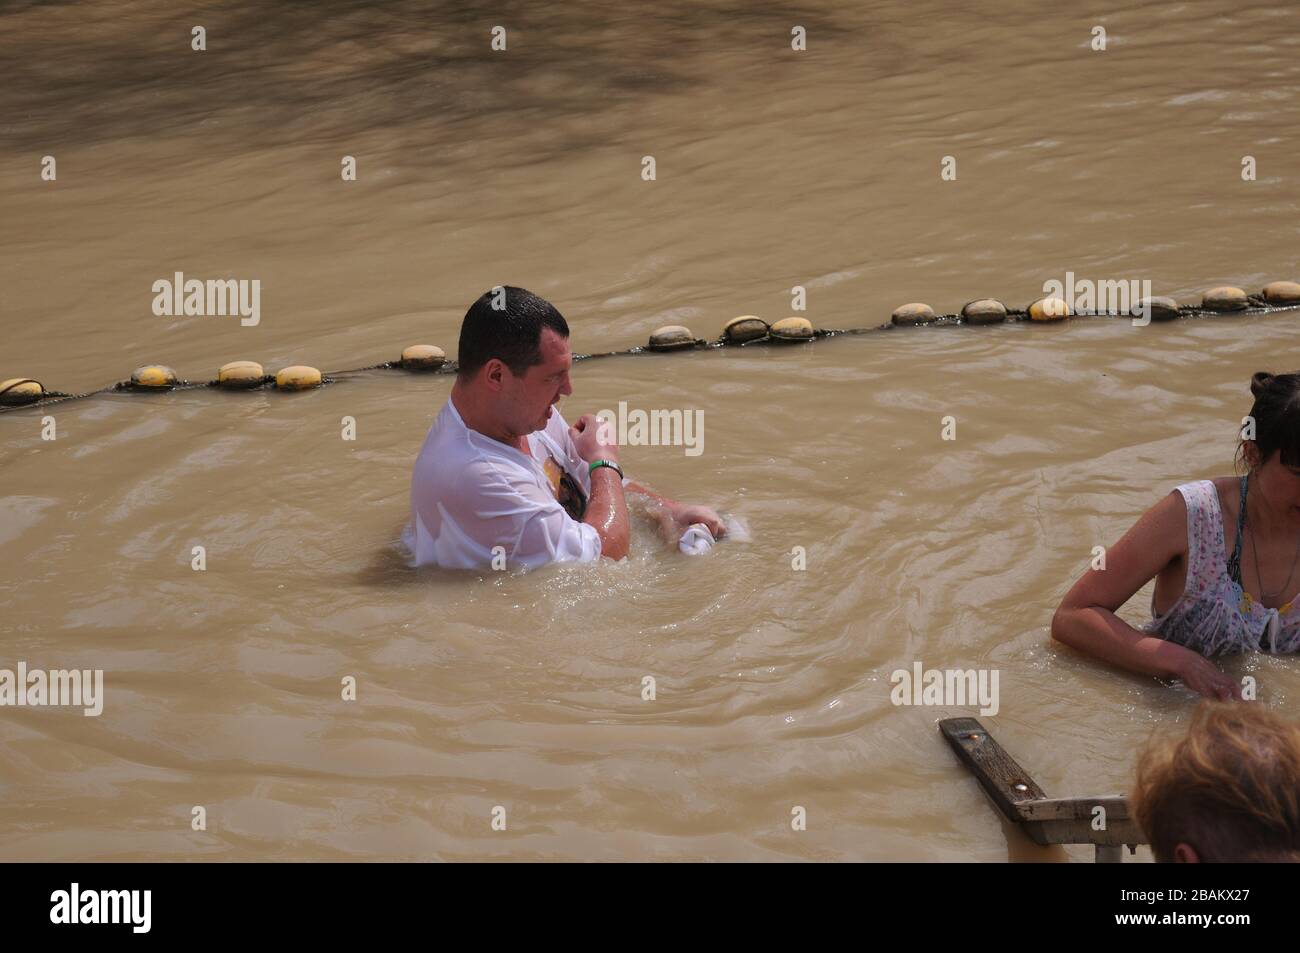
1101	820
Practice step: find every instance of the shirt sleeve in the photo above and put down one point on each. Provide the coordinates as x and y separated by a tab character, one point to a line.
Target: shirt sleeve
497	509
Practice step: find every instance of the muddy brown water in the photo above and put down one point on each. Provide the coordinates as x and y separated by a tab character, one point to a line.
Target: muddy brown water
475	168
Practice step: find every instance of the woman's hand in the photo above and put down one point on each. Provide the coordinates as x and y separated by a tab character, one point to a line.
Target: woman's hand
1205	678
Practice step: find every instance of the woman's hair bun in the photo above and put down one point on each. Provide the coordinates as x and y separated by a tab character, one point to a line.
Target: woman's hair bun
1259	382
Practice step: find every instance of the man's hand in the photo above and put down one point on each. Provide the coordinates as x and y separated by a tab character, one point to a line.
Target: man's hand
586	434
684	514
674	517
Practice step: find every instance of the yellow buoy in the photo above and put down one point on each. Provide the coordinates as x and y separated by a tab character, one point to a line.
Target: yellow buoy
747	327
20	390
1162	308
297	377
1048	309
1225	298
671	338
792	329
240	374
1282	292
153	377
984	311
423	357
913	313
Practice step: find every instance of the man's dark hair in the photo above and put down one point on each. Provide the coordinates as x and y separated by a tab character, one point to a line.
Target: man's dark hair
511	332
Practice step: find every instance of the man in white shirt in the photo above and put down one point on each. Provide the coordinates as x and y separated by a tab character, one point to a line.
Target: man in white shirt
502	480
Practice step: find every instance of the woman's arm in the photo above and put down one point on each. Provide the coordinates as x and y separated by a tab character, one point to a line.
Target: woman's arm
1086	618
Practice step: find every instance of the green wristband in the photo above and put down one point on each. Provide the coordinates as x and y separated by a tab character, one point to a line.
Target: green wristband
597	464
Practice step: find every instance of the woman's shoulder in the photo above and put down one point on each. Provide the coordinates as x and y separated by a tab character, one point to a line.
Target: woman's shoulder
1187	506
1219	483
1200	493
1186	511
1228	494
1204	503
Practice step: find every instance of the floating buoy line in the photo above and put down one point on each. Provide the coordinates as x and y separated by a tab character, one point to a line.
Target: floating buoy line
744	331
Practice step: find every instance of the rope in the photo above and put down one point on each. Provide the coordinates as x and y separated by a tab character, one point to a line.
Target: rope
1256	304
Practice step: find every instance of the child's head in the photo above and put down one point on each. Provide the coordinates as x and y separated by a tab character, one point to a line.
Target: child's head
1227	791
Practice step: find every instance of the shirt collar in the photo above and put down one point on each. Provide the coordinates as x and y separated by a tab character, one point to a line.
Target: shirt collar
484	440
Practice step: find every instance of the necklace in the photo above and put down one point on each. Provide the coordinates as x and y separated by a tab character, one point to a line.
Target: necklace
1270	596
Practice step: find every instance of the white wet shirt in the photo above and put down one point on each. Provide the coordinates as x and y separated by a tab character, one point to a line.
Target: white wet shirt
470	493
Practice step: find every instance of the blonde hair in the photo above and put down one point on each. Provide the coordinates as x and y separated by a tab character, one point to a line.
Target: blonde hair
1229	788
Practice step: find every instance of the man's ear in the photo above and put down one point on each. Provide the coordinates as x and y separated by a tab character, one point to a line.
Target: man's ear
494	372
1185	854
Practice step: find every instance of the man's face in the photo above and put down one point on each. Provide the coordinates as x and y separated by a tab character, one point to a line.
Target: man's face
532	395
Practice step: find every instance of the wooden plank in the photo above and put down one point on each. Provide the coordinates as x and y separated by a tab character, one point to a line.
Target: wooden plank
1005	781
1075	808
1116	834
1020	800
1070	820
